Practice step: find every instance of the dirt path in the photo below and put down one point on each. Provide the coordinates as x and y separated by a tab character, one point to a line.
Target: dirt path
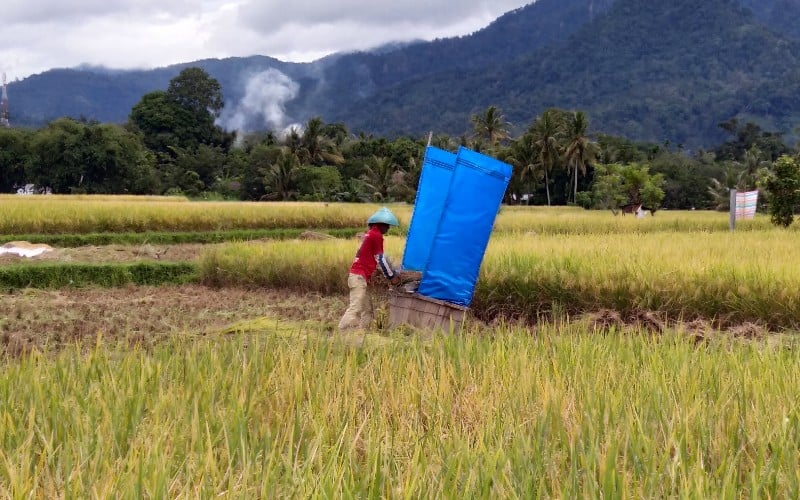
114	253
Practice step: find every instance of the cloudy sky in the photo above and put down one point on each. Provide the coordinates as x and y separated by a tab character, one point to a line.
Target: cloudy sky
37	35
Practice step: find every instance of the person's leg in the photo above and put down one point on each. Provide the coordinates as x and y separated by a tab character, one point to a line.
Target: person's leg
358	290
366	310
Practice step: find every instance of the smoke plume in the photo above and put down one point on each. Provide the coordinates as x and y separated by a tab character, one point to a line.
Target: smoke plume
263	104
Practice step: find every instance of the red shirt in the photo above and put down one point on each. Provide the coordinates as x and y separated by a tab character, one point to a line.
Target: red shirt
370	256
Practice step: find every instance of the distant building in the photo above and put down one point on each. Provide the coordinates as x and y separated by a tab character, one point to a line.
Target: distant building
29	189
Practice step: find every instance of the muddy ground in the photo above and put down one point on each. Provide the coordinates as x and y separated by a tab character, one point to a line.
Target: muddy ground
48	319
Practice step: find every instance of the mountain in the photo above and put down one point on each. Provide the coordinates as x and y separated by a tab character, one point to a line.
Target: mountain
648	70
108	95
326	85
350	78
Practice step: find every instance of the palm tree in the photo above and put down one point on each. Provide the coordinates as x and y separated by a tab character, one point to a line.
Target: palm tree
546	134
281	174
579	150
316	148
753	161
523	155
720	190
491	125
378	173
293	142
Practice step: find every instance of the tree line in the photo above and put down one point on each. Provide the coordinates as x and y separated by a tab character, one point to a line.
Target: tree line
171	144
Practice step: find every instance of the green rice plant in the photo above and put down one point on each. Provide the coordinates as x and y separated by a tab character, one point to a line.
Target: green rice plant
60	275
287	411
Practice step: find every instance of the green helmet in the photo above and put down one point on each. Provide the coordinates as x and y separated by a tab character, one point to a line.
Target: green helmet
383	216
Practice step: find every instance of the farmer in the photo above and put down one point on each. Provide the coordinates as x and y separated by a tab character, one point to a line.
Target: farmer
369	256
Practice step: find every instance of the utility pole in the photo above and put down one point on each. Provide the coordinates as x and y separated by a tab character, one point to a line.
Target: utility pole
4	105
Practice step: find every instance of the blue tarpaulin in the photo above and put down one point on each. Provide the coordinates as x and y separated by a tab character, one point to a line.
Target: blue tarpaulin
476	191
434	184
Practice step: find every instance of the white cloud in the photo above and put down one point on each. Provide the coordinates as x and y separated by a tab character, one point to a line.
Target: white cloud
437	14
44	12
39	35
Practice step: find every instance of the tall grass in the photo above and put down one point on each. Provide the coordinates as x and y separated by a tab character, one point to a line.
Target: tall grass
730	278
563	414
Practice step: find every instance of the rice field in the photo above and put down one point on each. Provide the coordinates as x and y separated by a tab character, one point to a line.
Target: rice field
722	277
98	214
27	215
241	387
284	411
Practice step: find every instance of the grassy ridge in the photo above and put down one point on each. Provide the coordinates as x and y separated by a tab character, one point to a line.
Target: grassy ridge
731	278
283	413
168	238
59	275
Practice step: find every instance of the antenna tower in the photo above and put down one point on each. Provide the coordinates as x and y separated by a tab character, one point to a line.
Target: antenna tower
4	104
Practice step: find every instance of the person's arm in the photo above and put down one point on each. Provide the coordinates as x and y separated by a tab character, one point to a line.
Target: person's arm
385	266
383	263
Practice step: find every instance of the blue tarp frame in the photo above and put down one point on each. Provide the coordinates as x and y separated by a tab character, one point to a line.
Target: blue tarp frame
434	184
474	197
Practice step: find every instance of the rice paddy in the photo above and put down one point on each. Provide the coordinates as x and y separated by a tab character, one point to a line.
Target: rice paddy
240	386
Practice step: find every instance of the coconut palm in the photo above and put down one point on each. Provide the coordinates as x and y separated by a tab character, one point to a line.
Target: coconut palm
317	148
752	162
579	150
491	126
280	174
546	133
378	176
523	155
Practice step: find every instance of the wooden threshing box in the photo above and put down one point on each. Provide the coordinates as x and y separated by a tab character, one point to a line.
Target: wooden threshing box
424	312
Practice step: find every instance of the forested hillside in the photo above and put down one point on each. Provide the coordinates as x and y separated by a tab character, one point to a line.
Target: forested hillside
667	71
